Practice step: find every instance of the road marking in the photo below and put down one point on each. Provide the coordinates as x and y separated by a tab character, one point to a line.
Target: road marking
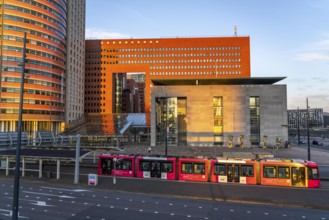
200	207
248	212
47	194
232	210
141	210
10	213
156	212
126	209
41	203
188	216
68	190
172	214
265	213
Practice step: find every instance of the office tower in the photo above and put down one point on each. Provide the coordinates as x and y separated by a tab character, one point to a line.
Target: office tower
75	71
52	62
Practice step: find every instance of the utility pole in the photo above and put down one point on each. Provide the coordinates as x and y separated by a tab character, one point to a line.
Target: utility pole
19	137
166	146
298	134
308	132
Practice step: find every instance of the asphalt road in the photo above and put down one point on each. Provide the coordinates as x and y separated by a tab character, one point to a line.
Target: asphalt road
39	201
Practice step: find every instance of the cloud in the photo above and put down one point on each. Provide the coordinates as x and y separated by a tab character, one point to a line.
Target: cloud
318	51
94	33
311	56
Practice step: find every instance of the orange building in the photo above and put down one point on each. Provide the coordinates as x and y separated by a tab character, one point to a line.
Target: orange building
109	60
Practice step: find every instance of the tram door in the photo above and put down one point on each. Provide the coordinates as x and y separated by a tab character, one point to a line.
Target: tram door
106	166
155	169
233	173
298	176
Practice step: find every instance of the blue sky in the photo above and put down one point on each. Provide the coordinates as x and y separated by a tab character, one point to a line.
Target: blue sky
287	37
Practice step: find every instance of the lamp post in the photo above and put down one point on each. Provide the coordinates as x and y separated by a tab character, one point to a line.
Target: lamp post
298	134
308	132
166	146
19	139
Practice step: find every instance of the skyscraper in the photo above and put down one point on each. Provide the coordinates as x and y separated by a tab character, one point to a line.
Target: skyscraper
54	58
75	68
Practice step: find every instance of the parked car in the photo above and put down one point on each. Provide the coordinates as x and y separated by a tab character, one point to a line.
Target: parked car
314	142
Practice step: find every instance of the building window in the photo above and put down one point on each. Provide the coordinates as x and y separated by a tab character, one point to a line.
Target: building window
254	120
218	120
171	120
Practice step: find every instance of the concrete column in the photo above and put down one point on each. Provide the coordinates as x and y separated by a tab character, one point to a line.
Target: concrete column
7	166
40	168
58	169
23	166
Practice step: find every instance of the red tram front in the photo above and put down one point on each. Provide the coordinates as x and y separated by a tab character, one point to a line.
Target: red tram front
286	172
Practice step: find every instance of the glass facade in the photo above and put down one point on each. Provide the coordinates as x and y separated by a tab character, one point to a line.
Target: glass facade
254	120
171	120
218	120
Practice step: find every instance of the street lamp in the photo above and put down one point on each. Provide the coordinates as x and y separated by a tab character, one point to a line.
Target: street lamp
308	131
19	138
167	130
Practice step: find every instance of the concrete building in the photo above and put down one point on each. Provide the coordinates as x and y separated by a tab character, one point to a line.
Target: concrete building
229	112
298	117
75	69
54	64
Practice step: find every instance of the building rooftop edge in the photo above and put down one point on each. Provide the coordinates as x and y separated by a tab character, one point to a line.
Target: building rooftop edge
178	37
216	81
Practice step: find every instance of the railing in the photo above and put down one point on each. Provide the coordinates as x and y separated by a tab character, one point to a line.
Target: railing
8	140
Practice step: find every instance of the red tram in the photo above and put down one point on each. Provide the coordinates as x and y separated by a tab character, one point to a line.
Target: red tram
156	167
119	165
191	169
233	171
274	172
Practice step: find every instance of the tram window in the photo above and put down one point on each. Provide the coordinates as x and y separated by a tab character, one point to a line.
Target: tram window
247	170
187	168
167	167
283	172
220	170
124	165
313	173
269	172
144	166
199	168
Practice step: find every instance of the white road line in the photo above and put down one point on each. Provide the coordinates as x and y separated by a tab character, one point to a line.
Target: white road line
68	190
47	194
